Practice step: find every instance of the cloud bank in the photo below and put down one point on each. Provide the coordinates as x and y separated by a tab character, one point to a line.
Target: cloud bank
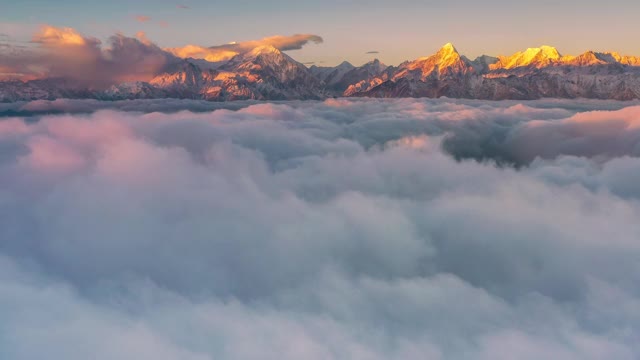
319	230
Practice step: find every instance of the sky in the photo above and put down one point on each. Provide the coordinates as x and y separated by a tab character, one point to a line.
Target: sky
393	30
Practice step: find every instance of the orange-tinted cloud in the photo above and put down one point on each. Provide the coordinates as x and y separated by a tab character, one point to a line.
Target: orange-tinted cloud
54	36
142	37
227	51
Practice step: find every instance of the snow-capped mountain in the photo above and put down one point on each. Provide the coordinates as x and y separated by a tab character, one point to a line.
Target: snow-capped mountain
366	72
266	73
445	73
546	56
447	62
535	57
340	78
269	74
530	74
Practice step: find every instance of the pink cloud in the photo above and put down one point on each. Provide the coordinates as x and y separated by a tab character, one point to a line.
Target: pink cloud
48	154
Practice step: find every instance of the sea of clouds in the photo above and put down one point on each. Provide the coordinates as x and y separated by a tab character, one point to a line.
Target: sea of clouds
343	229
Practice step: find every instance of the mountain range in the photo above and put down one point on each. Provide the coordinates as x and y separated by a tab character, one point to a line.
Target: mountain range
266	73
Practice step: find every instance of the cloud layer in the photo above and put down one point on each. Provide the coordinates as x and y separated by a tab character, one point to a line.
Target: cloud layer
315	230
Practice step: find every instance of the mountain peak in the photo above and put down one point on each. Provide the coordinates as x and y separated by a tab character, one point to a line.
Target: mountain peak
549	51
486	59
537	57
375	66
265	49
448	49
447	61
345	65
374	62
541	53
587	59
260	54
625	59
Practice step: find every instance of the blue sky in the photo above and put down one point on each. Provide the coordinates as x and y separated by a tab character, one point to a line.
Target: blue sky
399	30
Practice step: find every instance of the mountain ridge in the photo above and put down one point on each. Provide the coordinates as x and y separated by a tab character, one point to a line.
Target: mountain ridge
266	73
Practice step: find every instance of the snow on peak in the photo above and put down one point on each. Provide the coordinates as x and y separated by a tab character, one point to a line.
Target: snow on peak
537	57
265	52
446	61
549	51
589	58
264	49
625	59
448	49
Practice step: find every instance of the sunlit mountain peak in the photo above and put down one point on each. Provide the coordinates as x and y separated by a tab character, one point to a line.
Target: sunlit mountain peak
445	62
448	48
625	59
538	57
264	49
549	51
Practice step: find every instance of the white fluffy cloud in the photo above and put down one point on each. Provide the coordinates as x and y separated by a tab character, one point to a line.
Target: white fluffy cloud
315	230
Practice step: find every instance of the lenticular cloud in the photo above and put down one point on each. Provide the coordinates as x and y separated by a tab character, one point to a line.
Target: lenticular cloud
357	229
